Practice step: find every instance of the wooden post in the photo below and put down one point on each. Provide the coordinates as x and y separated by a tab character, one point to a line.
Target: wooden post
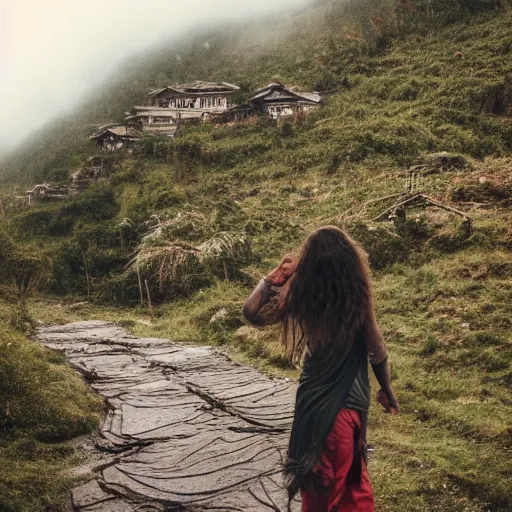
87	278
150	305
140	284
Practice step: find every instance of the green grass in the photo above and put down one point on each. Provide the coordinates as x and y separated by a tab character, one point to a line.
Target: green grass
445	316
444	302
447	325
43	406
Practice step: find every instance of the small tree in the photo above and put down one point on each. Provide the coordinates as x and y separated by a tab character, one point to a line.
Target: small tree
23	264
27	266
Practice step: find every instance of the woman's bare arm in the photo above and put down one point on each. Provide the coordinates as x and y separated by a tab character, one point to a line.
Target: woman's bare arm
263	306
380	364
253	306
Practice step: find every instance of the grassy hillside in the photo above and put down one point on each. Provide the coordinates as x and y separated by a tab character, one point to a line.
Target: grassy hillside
445	314
314	48
443	295
43	404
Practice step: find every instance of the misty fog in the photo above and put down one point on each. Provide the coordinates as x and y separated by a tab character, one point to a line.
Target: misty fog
52	53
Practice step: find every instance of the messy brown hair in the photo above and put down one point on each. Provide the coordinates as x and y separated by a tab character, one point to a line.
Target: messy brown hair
329	296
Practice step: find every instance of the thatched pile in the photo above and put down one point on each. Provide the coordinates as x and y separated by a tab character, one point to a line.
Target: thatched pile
168	269
185	224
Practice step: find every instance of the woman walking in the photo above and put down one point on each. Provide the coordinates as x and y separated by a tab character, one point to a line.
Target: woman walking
323	301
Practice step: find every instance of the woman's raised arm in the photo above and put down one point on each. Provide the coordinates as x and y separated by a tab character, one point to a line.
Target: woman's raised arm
255	303
263	306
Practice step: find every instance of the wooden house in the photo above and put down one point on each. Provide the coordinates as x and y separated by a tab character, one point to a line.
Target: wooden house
237	114
172	105
279	101
202	96
155	120
113	137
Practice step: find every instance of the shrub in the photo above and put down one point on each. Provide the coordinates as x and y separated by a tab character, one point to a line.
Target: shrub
26	264
177	268
484	338
482	192
430	346
384	248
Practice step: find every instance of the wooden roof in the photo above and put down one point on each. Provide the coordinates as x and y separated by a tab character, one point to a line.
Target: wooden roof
120	130
197	87
275	91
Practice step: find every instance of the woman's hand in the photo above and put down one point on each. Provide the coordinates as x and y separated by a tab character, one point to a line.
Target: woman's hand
280	275
388	401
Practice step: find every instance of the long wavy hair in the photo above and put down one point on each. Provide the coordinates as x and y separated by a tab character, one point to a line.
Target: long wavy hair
329	295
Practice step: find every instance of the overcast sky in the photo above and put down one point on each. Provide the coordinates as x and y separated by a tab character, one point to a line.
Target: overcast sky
54	51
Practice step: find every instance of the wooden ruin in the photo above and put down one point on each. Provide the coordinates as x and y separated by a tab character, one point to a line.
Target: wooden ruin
114	137
96	167
413	198
410	201
45	192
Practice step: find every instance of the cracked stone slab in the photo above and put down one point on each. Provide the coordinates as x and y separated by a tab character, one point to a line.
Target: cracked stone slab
192	430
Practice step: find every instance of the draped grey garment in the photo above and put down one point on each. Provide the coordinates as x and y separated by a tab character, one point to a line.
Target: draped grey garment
333	378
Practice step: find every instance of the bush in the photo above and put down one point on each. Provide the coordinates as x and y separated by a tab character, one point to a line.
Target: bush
430	346
177	269
384	249
96	204
483	192
484	338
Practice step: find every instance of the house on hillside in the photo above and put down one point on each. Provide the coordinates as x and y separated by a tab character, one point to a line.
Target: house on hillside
45	192
155	120
279	101
205	96
113	137
189	103
237	114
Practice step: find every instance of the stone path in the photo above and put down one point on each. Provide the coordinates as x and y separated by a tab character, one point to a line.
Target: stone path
190	430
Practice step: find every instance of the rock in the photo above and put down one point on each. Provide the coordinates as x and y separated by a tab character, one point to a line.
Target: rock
443	161
191	430
220	316
249	334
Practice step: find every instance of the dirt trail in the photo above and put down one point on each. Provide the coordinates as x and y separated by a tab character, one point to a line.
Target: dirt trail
189	429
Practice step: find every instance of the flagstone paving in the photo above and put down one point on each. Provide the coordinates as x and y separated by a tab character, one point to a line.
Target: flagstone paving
190	429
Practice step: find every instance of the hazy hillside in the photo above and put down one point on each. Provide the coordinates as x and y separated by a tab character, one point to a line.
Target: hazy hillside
249	54
313	49
406	81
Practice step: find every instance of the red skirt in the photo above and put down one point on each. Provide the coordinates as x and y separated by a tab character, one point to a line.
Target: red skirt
332	488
